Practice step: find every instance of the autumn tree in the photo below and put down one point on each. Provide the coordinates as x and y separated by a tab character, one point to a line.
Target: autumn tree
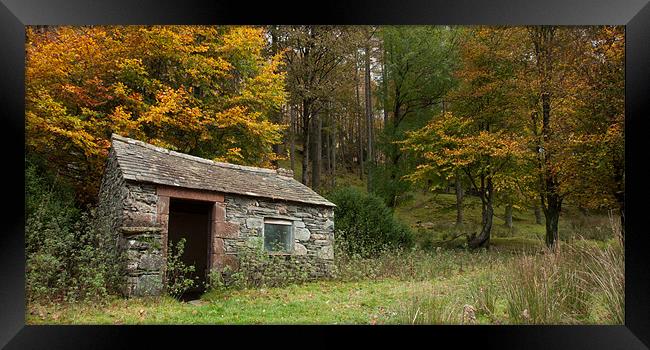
207	91
598	141
575	90
481	136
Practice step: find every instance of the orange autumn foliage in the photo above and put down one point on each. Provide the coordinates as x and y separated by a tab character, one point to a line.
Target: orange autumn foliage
207	91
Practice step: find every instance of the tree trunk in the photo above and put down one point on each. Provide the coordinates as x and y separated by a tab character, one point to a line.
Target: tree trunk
305	142
292	137
305	158
619	178
508	215
621	212
368	98
359	128
384	79
487	216
459	199
551	199
333	152
276	115
325	139
483	239
369	116
538	214
317	152
552	215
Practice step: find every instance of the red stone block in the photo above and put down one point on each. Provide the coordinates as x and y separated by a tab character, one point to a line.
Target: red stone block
219	212
218	246
163	221
216	262
163	205
219	262
188	193
226	229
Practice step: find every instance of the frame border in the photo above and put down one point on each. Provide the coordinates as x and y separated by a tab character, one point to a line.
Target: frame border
634	14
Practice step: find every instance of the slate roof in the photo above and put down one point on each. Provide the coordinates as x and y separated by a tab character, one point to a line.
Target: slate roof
143	162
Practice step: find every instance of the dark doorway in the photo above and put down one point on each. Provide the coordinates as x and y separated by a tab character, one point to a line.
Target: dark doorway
191	220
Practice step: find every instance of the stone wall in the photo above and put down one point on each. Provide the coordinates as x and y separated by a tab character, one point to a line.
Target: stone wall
128	210
137	214
144	260
112	194
142	240
313	231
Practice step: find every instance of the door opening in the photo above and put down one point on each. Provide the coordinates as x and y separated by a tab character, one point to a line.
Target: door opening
191	220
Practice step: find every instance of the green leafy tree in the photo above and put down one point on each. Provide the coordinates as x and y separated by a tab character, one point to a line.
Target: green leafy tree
479	136
418	65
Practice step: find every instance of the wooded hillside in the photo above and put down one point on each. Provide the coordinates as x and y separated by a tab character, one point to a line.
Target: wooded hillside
524	117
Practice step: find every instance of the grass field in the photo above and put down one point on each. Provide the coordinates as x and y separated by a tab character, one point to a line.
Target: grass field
312	303
434	283
422	288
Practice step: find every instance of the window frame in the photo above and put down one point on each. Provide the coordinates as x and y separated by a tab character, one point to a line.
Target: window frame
282	222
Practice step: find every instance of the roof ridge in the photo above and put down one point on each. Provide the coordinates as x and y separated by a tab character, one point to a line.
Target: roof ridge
145	162
191	157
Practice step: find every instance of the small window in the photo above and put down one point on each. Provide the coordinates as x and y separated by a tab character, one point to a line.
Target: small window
278	236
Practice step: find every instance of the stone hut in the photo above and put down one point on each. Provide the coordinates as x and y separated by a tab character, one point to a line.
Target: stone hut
151	196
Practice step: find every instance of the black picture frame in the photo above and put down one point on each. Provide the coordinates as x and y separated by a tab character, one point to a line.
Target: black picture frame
634	14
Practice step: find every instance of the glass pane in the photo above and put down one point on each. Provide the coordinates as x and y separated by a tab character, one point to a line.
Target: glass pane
277	238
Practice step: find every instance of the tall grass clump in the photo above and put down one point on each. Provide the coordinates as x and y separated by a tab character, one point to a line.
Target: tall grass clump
485	293
411	264
568	285
364	225
425	309
543	289
604	274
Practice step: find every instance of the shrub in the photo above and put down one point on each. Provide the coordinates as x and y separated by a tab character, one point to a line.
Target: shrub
364	225
215	281
70	254
257	268
179	277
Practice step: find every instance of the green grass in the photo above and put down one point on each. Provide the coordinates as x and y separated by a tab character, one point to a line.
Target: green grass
365	291
397	288
325	302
